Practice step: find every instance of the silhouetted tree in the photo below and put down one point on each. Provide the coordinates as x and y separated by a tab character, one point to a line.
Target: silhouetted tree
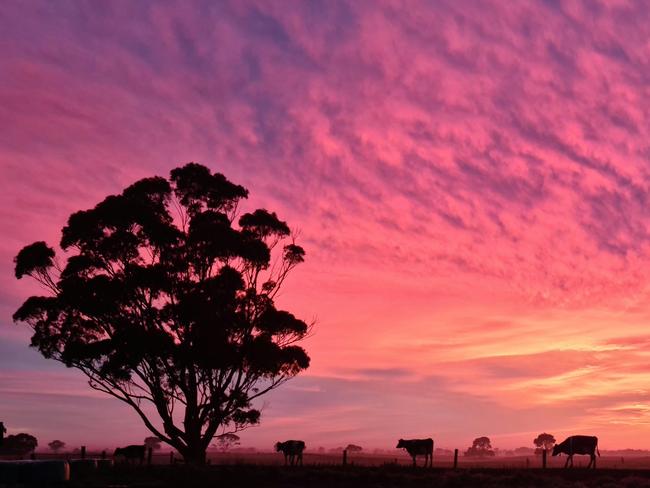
164	301
56	445
227	441
482	443
19	444
543	442
480	447
354	448
152	442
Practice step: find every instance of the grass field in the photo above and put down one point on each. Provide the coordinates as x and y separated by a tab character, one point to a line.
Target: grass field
244	476
402	459
398	458
266	469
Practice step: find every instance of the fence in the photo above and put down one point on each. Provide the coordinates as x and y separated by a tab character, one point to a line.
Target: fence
450	460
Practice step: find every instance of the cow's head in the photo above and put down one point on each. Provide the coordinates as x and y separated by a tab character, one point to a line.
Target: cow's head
556	450
400	443
278	446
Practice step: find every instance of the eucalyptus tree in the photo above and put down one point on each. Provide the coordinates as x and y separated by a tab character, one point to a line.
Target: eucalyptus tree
164	298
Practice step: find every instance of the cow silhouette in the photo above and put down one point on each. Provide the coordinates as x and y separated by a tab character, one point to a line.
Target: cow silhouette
578	444
292	451
418	447
130	453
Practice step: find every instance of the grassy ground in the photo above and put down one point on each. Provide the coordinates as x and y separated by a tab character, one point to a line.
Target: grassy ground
244	476
398	457
382	471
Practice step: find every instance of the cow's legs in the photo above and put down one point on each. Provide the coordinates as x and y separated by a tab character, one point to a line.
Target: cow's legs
592	462
569	458
300	458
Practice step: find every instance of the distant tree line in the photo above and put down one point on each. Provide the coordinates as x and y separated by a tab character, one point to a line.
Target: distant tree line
482	447
22	444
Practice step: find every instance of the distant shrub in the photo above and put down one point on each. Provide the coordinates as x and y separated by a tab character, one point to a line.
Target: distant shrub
19	444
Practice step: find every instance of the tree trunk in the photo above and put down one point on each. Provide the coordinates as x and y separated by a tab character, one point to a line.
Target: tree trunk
194	455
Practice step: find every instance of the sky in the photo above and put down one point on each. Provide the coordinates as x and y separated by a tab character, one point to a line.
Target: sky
470	181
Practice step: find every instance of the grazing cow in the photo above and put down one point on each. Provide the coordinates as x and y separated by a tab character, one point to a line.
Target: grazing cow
578	444
418	447
292	451
130	453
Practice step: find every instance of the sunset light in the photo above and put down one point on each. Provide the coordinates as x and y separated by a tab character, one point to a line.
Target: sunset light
470	183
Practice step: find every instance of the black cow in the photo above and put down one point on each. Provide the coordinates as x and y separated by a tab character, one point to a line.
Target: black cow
130	453
292	451
578	444
418	447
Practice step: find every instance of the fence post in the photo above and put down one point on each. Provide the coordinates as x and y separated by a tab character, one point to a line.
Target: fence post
455	458
171	457
345	457
83	452
149	454
544	458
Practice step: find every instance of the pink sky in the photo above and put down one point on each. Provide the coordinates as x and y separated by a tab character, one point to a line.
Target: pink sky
470	181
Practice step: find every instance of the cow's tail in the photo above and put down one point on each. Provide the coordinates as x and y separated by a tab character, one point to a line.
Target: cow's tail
597	450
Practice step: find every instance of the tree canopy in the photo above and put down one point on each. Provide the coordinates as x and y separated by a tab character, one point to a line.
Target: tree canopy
19	444
227	441
56	445
166	302
544	441
480	447
152	442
